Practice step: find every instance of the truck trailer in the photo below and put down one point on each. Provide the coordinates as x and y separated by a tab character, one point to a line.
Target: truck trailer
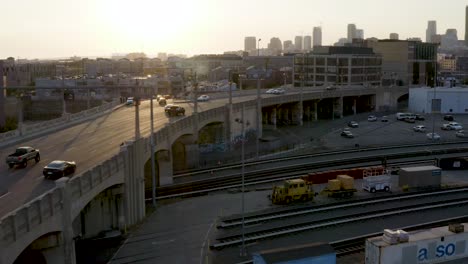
436	245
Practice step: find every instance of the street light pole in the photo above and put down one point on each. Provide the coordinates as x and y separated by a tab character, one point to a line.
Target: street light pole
433	102
243	252
153	169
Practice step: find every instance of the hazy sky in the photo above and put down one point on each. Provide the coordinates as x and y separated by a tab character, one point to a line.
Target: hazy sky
63	28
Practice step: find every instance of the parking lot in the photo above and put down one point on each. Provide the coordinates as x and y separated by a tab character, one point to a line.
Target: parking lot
393	132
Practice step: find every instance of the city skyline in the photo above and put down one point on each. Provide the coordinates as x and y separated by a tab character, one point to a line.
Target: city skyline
54	28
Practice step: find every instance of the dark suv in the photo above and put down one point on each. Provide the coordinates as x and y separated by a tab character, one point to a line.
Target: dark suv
174	110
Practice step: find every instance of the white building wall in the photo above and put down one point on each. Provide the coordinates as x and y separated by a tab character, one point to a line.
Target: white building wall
453	100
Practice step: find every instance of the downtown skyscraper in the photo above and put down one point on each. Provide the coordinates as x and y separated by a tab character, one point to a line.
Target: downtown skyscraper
431	30
317	36
466	26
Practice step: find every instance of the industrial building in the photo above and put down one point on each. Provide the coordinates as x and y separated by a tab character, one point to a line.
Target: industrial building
447	100
340	66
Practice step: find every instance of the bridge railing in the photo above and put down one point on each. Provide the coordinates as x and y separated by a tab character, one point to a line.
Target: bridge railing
82	184
36	128
30	216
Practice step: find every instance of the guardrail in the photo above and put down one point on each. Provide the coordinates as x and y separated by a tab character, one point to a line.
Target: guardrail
30	216
30	130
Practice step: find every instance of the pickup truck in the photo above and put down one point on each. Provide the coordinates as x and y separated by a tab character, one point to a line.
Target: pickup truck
22	155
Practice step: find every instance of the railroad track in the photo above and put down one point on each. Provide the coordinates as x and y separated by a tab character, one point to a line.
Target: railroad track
191	173
294	211
200	187
281	224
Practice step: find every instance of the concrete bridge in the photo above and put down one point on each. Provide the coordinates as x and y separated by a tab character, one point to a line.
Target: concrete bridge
112	194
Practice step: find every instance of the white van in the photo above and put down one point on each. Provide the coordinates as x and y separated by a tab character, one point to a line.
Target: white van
129	101
403	116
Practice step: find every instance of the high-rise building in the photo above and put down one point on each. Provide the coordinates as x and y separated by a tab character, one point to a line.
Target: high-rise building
317	36
406	61
288	45
359	33
431	30
307	43
350	64
450	39
275	45
466	26
250	44
351	32
394	36
298	42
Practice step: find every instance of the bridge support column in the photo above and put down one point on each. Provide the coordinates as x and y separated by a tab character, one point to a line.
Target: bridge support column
273	118
316	111
134	187
354	107
297	114
307	113
341	105
164	159
68	243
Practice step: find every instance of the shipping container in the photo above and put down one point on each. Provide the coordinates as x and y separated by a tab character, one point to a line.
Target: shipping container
317	253
437	245
356	173
423	176
457	163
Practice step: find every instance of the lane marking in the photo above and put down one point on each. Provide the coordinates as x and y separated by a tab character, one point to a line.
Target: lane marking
4	195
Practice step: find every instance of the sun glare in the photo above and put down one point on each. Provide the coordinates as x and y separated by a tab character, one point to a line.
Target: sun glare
149	22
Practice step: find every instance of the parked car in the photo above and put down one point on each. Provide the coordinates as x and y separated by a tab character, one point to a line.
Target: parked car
461	134
419	128
270	91
430	136
384	119
162	102
203	98
59	168
130	101
174	110
410	120
353	124
372	118
331	88
419	117
445	127
455	126
22	155
448	118
347	134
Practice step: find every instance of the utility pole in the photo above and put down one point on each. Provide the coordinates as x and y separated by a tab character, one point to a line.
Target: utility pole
2	98
153	169
136	101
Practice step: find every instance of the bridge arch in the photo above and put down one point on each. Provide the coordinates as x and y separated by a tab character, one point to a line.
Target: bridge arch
46	248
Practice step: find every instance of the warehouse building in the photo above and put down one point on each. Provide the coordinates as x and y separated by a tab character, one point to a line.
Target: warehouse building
446	100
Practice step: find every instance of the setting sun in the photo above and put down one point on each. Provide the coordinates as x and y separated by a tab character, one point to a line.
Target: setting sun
144	22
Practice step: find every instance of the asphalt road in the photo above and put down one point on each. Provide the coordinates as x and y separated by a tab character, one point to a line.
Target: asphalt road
94	141
87	144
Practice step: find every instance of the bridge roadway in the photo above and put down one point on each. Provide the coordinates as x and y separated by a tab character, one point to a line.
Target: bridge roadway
88	144
92	142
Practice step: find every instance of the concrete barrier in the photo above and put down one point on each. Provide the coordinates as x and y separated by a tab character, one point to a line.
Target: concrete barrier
28	131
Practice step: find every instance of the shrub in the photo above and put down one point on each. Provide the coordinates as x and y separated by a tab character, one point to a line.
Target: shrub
10	124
